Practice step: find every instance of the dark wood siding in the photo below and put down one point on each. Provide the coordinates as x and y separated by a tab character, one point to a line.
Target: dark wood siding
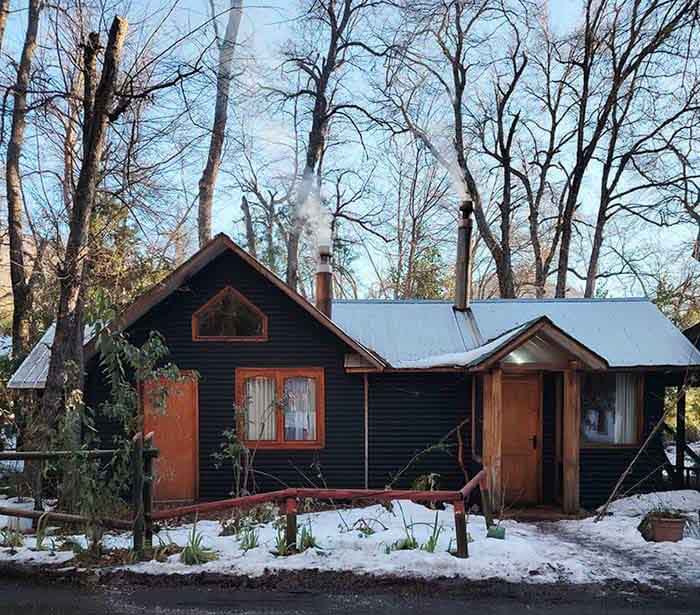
295	340
602	467
409	413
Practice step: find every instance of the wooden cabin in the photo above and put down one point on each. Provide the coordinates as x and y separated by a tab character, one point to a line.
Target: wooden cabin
554	397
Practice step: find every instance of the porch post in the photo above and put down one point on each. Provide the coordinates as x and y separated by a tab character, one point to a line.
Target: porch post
679	476
493	432
571	436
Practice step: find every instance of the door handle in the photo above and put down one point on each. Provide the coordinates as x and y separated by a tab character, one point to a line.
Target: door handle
534	442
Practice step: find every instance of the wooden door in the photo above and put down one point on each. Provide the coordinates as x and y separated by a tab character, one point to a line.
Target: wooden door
175	424
521	429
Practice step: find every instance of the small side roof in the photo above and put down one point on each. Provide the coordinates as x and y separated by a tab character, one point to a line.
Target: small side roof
32	372
489	353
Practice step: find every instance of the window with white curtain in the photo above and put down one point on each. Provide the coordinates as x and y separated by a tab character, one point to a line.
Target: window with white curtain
281	407
260	408
299	408
610	412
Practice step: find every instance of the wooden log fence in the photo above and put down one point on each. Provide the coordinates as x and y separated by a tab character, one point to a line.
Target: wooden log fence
288	499
142	524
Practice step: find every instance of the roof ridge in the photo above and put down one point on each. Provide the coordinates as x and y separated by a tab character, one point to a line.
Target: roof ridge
512	300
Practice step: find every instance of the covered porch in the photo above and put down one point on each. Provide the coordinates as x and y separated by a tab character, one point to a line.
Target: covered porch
528	413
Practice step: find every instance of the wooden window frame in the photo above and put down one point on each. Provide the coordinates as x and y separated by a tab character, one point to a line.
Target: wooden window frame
280	374
263	337
640	416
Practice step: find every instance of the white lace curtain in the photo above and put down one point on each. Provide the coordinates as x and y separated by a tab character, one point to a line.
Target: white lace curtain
260	395
300	409
626	409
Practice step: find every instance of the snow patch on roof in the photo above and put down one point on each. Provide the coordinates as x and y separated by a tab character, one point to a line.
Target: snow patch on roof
463	359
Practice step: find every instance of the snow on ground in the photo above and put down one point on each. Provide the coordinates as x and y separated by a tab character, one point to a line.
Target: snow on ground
687	500
580	551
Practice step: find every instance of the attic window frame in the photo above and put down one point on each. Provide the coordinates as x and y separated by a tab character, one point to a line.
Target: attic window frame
263	337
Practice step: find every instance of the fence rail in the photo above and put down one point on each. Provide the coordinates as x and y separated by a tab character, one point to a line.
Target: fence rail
142	524
289	499
142	466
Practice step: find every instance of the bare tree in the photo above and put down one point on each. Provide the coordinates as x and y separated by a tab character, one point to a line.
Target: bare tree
4	12
437	62
207	182
22	276
420	224
339	23
616	41
67	349
112	104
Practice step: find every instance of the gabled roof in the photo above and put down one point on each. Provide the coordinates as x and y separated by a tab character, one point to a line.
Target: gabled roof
413	334
218	245
32	373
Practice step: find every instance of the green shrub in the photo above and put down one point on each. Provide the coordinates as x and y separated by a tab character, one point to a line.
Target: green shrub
249	539
431	544
10	538
194	552
408	542
281	546
306	539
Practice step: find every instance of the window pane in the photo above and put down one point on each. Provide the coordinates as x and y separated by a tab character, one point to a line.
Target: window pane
260	409
609	412
300	409
626	409
229	317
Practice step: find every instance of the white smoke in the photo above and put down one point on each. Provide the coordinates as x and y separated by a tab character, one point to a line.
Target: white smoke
316	221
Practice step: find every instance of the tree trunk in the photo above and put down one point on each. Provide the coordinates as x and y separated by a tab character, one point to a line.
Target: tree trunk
251	242
21	290
592	273
207	182
4	12
567	226
66	366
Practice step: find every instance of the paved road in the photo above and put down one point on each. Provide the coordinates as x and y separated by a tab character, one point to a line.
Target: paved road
19	597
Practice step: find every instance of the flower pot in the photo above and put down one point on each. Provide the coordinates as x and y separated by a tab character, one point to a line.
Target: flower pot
666	529
496	532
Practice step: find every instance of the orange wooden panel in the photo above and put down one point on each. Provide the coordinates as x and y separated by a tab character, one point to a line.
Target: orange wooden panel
521	412
176	436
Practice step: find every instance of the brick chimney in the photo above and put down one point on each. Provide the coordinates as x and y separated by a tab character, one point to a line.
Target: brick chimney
324	280
463	269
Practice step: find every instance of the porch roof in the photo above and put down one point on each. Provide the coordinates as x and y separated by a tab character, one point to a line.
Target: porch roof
626	333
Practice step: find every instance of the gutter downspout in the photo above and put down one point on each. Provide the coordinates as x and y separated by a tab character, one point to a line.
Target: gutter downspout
366	382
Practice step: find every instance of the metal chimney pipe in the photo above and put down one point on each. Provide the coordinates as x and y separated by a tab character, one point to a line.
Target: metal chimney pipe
463	269
324	280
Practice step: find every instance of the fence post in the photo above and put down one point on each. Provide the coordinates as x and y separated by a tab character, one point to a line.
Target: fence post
461	529
486	501
138	487
149	455
291	528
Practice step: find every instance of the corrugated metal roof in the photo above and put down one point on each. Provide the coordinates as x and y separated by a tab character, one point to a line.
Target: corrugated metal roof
465	358
32	372
423	334
625	332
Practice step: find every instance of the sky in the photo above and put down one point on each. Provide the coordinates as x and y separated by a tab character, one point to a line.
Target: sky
265	26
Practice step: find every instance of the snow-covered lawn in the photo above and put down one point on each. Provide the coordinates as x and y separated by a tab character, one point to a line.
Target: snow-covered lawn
579	551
